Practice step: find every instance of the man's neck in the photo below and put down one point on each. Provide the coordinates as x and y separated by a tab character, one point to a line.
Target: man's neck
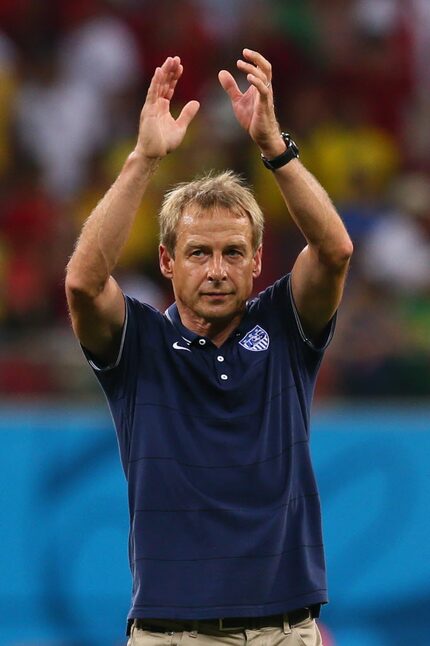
218	331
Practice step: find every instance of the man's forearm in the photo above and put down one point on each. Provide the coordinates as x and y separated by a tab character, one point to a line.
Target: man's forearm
314	213
108	227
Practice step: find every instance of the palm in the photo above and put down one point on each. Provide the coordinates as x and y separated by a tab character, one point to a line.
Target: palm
253	109
245	107
159	132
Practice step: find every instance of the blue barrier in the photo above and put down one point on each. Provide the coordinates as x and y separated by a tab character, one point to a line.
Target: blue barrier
64	578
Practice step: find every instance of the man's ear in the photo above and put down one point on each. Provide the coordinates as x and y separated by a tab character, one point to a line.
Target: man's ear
166	262
258	256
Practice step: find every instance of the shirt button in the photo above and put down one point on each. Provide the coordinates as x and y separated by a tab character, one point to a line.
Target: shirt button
220	358
224	377
202	342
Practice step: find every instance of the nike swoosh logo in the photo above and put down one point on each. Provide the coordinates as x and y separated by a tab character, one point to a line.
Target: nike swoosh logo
176	346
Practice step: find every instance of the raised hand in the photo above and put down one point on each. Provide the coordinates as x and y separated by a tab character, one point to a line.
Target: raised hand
159	132
254	109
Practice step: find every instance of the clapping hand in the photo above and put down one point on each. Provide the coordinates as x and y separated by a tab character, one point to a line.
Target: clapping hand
159	132
254	108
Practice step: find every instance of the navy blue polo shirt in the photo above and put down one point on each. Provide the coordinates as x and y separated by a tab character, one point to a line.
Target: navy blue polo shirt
214	442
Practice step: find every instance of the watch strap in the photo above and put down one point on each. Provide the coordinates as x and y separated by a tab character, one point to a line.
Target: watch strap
291	152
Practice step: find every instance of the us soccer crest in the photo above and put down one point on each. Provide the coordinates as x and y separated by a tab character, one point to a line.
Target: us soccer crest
256	340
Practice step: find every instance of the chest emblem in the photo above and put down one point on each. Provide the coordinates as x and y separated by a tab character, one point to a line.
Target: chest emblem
256	340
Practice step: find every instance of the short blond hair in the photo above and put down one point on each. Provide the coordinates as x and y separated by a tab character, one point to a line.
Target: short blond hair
225	189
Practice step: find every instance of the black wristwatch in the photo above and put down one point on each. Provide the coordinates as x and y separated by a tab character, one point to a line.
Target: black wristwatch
291	152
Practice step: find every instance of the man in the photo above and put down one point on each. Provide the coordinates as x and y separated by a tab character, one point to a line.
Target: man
211	399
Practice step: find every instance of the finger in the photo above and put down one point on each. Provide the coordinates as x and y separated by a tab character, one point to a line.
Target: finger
154	86
259	61
164	79
188	113
171	71
170	89
170	63
158	81
249	68
264	87
229	85
174	77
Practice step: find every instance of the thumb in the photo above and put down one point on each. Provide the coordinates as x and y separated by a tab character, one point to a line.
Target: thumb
229	85
188	113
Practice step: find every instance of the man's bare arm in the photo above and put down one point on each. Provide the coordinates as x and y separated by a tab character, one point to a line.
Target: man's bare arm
319	273
95	300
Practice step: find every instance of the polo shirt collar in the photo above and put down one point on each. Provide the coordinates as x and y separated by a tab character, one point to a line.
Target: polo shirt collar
190	337
172	314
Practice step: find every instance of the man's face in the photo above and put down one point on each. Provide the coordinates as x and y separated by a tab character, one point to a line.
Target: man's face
214	264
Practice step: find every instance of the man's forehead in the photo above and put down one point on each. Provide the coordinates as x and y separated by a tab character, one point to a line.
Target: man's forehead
222	233
195	217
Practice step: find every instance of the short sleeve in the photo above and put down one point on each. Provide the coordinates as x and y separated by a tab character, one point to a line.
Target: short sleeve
117	378
327	333
277	300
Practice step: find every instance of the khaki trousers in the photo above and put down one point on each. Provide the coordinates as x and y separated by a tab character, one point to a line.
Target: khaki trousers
305	633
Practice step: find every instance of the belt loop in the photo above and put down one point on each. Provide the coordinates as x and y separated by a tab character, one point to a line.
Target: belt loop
286	625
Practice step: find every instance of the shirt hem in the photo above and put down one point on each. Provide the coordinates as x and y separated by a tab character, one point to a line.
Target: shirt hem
214	612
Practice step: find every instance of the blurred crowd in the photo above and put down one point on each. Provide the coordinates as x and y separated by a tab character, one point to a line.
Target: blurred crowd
351	83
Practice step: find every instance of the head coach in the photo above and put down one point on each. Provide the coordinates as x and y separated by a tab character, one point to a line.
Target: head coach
211	398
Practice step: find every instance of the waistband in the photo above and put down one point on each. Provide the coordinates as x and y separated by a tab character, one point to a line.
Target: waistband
227	624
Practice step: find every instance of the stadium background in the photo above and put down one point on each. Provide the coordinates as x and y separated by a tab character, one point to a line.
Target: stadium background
352	83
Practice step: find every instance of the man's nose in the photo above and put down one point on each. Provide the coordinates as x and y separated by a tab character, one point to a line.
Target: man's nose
216	268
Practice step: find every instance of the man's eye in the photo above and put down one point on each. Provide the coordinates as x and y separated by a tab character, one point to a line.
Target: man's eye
233	252
197	252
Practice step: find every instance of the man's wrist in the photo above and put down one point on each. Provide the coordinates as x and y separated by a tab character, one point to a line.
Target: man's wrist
273	148
289	152
139	157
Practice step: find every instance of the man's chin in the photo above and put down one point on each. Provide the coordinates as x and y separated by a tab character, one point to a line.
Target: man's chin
217	313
